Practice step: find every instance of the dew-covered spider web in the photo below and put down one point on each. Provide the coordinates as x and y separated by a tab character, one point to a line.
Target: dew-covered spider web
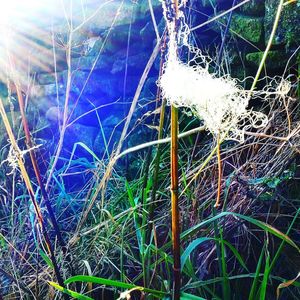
219	101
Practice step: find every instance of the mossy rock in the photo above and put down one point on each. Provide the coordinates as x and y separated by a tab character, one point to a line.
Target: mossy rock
253	8
209	3
143	7
288	31
49	78
250	28
275	59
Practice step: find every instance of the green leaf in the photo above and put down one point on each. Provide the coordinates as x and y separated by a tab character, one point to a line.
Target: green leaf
256	276
69	292
85	147
265	196
266	227
236	254
195	243
191	247
133	204
46	259
3	243
186	296
263	288
273	182
109	282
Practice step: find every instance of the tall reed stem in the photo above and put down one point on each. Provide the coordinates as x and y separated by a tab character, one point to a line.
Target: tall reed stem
37	170
174	203
174	193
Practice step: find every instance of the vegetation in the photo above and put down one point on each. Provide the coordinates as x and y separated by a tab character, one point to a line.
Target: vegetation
191	213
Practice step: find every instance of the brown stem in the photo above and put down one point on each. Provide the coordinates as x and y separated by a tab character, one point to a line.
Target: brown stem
219	172
174	203
37	170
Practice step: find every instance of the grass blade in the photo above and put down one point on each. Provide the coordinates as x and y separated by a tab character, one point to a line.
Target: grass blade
109	282
256	276
186	296
69	292
263	288
191	247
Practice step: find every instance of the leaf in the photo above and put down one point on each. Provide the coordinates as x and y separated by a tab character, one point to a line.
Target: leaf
69	292
236	254
46	259
85	147
262	225
109	282
285	285
194	244
191	247
256	276
225	282
265	196
273	182
3	243
133	203
263	287
289	2
186	296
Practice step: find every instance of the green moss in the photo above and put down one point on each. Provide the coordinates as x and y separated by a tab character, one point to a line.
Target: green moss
288	31
248	27
275	59
253	8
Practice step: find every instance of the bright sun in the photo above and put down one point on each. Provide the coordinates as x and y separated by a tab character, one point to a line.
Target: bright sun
14	9
21	23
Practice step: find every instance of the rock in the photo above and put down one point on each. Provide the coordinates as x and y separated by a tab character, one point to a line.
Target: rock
255	8
112	120
87	63
134	62
288	30
80	133
54	114
49	78
41	60
52	89
150	88
148	36
112	14
145	10
98	85
209	3
275	59
249	28
217	4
